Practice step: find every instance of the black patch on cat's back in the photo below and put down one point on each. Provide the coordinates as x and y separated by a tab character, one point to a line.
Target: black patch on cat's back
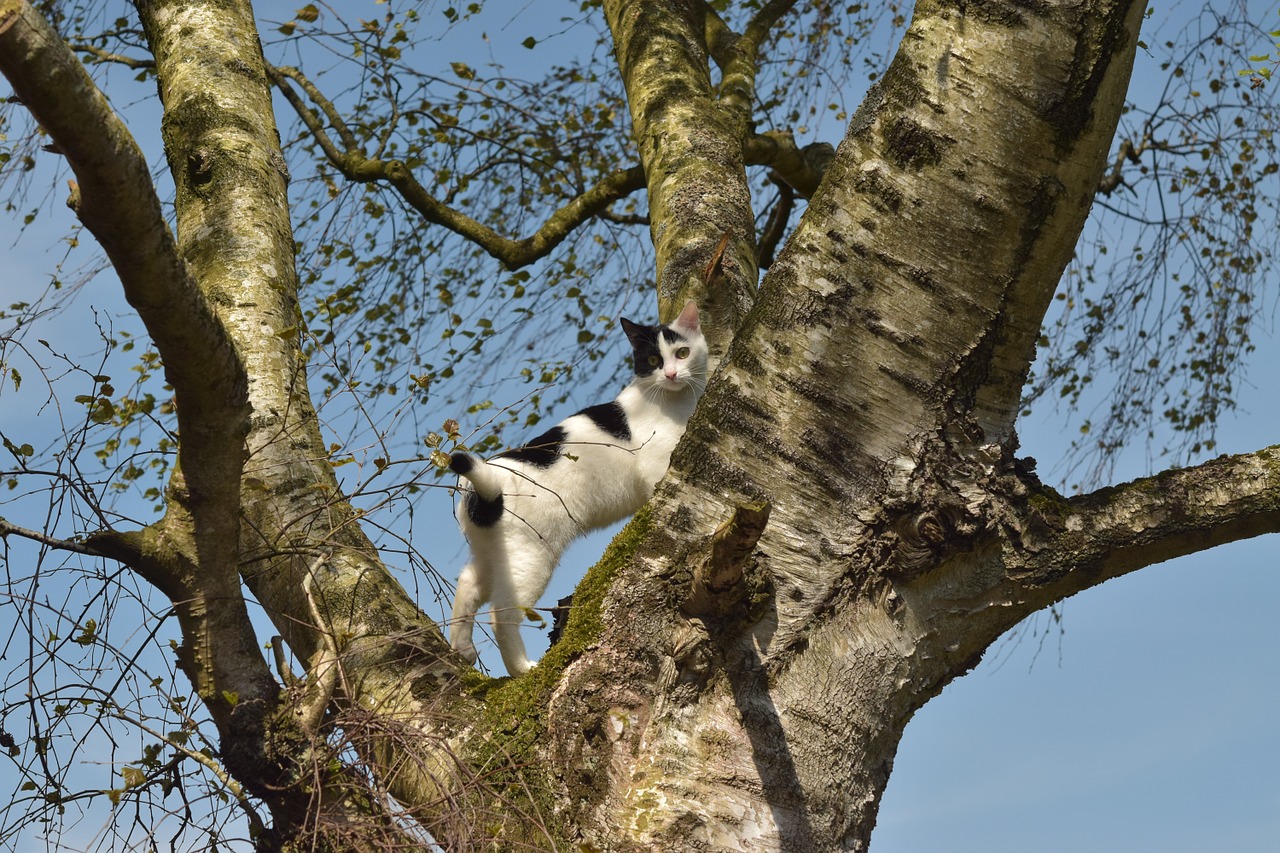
483	513
542	452
610	418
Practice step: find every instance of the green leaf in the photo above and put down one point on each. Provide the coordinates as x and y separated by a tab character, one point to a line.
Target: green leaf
529	42
463	70
89	634
133	777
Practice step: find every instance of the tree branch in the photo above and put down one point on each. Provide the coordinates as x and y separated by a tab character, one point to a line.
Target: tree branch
691	150
1128	151
801	168
116	201
7	529
513	254
776	224
101	55
737	55
1121	529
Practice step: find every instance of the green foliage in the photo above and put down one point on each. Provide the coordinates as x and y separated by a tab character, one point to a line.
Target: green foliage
1155	317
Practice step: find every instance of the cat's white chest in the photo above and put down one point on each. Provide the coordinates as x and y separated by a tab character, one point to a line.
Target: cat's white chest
656	427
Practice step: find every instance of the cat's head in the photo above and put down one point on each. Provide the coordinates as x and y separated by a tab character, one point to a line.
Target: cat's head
670	358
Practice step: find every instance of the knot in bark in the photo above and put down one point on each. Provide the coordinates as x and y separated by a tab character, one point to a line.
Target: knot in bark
927	537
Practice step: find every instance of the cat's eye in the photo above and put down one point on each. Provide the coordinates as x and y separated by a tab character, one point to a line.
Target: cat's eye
683	352
655	360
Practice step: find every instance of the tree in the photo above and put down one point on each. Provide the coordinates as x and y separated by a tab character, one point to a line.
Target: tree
846	526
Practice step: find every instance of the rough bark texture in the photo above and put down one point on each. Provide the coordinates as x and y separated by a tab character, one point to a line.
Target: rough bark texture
691	148
845	529
302	552
869	397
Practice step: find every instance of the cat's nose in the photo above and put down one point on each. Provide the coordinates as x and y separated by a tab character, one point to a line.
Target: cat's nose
670	374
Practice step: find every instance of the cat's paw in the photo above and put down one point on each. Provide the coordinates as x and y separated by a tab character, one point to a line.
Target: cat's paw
521	667
467	650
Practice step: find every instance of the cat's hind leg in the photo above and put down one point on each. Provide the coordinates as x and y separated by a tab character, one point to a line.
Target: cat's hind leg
466	601
506	613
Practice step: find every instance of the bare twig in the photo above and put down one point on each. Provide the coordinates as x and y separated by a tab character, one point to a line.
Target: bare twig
7	529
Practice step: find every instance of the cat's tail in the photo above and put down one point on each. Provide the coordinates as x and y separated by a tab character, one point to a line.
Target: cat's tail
484	478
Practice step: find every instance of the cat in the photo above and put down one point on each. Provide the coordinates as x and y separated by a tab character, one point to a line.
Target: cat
522	508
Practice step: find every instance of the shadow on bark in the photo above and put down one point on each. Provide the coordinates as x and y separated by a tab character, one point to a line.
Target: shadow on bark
770	752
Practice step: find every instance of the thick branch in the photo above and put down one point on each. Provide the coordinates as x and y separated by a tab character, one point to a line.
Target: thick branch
776	225
1124	528
801	168
738	55
8	529
234	225
691	149
193	555
116	201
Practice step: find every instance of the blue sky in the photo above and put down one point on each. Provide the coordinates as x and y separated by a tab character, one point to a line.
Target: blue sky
1144	722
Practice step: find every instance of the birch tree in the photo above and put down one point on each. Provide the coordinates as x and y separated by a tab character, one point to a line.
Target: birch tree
847	524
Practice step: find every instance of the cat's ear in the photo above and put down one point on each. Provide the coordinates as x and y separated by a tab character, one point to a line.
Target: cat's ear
688	319
635	332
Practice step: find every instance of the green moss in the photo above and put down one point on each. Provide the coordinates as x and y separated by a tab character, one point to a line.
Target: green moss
514	716
585	623
1047	501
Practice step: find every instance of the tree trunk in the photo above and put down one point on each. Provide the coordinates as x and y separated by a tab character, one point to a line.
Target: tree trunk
869	398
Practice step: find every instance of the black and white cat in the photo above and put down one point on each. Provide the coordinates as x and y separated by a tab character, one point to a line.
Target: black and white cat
523	507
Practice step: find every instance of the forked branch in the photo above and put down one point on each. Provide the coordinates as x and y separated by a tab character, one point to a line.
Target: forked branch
737	55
